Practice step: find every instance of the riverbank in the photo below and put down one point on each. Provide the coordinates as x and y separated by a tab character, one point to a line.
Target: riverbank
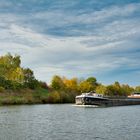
25	96
38	96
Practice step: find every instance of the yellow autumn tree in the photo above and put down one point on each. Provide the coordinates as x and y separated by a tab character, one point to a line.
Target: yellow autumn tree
71	84
86	86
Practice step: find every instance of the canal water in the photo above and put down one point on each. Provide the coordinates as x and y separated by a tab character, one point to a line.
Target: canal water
68	122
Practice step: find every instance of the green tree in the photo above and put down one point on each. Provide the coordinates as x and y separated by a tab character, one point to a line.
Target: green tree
13	76
127	90
92	80
86	86
57	83
110	90
28	75
137	89
29	79
101	89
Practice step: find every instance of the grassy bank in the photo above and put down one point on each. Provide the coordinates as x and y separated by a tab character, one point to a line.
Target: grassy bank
38	96
25	96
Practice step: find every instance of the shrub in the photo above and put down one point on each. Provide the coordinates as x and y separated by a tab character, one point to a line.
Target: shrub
2	89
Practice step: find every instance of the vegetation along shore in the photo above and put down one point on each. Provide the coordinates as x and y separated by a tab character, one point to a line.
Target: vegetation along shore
18	85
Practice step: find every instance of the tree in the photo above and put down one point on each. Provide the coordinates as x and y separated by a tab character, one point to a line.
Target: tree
92	80
17	75
13	76
57	83
137	89
110	91
55	97
7	84
86	86
28	75
43	85
29	79
127	90
8	65
71	84
117	88
101	89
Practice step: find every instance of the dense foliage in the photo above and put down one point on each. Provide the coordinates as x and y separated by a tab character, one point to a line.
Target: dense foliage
13	76
73	87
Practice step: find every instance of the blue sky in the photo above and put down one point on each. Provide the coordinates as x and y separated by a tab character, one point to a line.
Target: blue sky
74	38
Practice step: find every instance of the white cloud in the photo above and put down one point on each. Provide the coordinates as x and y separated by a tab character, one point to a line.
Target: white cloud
61	18
61	55
72	56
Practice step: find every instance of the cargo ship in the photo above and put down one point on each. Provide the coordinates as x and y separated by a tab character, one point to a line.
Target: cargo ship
93	98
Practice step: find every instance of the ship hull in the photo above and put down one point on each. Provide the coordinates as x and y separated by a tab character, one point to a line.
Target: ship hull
107	102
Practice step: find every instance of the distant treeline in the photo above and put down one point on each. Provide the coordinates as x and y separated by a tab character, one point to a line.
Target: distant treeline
72	87
18	85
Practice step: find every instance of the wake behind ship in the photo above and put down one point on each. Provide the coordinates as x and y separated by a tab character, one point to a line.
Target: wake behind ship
93	98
